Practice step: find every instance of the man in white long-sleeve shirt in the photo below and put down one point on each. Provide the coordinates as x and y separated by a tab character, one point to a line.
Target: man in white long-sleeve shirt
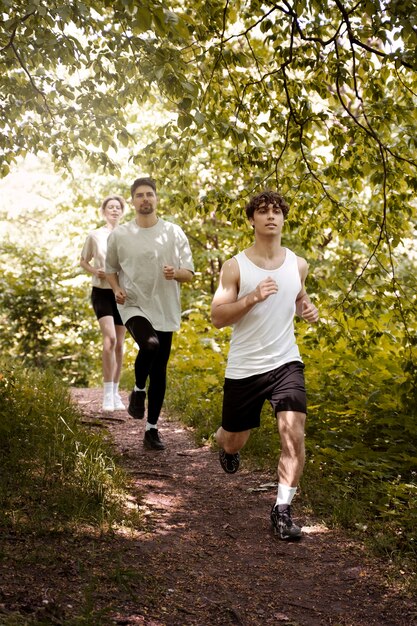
260	291
147	260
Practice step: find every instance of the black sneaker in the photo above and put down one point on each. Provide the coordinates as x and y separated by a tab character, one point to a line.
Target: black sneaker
136	406
152	441
229	462
282	523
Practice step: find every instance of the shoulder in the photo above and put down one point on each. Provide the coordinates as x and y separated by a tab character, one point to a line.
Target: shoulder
229	282
171	227
302	266
93	237
94	233
121	229
230	269
231	263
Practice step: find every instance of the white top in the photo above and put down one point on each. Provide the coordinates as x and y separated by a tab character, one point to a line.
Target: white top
263	339
138	255
95	248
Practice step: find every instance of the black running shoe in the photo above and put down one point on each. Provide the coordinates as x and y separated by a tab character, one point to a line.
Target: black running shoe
136	406
152	440
282	523
229	462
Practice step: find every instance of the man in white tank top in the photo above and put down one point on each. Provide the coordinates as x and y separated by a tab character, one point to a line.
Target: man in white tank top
260	291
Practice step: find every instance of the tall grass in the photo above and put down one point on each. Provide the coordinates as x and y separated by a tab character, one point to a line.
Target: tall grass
53	470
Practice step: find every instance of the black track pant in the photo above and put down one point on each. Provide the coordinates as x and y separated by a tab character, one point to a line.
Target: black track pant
151	361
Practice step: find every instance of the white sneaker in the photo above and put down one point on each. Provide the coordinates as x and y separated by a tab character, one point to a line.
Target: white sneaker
108	403
117	403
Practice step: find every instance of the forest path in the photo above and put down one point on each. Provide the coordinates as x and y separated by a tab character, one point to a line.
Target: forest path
204	555
209	557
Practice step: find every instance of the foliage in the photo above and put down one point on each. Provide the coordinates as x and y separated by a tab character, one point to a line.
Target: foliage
362	434
53	470
195	380
39	324
304	93
316	99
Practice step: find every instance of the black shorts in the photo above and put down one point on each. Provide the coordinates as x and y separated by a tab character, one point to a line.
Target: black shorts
104	303
243	398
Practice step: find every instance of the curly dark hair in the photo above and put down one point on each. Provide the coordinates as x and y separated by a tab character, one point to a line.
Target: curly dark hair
265	198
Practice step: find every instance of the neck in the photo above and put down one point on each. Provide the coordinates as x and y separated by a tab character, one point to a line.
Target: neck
267	247
146	221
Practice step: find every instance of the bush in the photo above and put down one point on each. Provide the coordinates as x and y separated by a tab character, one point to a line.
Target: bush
54	470
46	319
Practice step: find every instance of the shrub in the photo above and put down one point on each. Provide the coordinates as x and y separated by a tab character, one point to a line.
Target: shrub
54	470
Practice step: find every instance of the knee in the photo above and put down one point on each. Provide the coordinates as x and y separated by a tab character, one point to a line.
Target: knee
151	345
109	343
231	442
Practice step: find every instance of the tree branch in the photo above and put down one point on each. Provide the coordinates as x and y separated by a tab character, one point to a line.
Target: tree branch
32	82
10	42
355	41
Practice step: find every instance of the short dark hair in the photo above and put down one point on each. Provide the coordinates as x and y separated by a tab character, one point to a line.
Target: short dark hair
267	197
145	180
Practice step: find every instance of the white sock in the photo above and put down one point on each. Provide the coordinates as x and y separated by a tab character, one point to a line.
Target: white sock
108	389
135	388
115	389
285	494
149	426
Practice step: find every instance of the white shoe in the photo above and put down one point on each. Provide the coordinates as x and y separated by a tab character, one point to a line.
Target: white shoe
117	403
108	403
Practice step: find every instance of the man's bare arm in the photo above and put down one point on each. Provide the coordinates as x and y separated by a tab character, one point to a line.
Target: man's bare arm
119	293
226	308
181	275
303	305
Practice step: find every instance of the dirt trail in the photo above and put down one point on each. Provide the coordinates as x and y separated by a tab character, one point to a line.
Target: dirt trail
206	556
215	558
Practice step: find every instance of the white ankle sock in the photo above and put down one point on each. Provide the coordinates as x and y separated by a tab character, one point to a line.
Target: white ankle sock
108	399
115	389
285	494
108	389
135	388
149	426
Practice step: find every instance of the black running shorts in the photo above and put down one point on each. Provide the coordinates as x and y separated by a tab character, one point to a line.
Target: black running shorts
243	398
104	303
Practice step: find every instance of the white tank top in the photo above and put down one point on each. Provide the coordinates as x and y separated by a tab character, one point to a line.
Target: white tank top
264	338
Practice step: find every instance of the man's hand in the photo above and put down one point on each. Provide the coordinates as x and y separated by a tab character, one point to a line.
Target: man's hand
120	295
100	273
309	312
265	289
169	272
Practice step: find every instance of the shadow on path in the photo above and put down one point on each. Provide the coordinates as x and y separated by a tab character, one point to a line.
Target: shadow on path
208	555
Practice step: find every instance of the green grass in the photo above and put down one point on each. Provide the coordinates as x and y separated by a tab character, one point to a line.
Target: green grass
55	471
63	499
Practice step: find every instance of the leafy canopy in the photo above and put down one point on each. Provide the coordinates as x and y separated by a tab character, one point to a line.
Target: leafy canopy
315	98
